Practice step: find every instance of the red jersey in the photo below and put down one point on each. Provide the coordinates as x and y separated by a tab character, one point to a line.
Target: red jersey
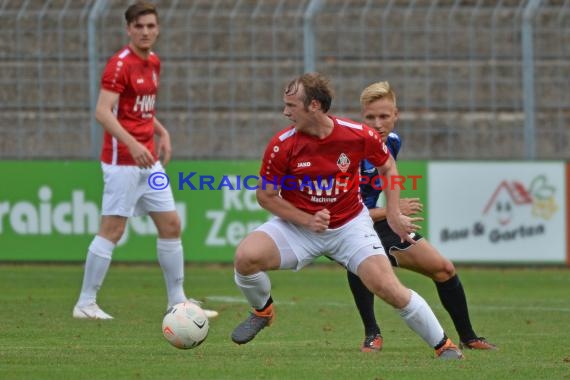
311	171
136	82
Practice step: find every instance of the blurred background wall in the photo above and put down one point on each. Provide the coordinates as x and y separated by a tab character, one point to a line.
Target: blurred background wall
476	79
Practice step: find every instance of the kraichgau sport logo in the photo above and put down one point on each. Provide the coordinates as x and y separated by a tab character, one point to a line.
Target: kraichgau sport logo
158	181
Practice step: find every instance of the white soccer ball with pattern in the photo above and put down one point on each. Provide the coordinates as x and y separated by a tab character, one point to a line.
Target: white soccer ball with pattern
185	325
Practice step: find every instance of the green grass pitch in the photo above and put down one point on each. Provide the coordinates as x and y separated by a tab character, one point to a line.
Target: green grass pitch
316	335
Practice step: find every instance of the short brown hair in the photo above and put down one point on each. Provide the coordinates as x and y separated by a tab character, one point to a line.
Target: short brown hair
140	8
316	88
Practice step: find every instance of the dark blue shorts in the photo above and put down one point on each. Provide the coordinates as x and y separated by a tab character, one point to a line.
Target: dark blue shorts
391	241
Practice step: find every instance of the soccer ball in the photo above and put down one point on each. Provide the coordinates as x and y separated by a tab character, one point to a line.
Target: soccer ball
185	325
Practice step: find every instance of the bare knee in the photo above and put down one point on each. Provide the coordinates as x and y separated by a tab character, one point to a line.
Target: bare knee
171	229
112	228
257	252
378	276
167	224
246	262
445	272
250	261
393	293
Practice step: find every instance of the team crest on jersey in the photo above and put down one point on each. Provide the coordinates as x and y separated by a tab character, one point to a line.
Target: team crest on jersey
343	162
154	78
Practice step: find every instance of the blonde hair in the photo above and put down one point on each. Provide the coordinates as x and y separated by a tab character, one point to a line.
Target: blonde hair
376	91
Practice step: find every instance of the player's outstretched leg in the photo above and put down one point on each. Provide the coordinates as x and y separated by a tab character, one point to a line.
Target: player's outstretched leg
377	274
425	259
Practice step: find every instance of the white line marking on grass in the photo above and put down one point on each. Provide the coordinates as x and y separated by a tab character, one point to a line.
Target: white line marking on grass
231	299
527	308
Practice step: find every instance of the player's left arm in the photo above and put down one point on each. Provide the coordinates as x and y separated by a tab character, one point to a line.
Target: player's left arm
408	206
401	224
164	147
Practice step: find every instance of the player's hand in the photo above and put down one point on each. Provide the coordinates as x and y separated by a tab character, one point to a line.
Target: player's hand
403	226
142	156
164	148
411	206
320	221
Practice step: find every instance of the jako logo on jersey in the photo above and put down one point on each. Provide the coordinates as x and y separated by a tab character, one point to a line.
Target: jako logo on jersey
144	103
303	164
343	162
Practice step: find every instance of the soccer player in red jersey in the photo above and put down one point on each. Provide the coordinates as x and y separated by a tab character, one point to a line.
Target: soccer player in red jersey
317	212
379	111
126	110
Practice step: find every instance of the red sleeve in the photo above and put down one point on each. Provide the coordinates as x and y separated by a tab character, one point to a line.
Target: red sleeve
274	164
114	75
375	150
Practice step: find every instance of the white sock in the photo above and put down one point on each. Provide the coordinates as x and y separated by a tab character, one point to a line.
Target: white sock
420	318
171	260
96	267
255	287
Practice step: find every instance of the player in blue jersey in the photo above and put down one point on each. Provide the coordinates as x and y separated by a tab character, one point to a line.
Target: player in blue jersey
379	111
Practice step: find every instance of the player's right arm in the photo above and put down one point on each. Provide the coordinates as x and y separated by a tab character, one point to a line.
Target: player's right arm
275	166
105	116
268	197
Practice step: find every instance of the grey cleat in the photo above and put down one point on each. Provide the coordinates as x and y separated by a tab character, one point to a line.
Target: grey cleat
449	351
253	324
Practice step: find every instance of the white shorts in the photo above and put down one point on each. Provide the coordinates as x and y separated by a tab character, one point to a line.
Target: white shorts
349	244
127	192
